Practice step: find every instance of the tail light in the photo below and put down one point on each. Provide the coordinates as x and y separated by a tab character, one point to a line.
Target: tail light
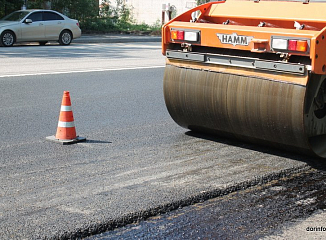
302	46
185	35
177	35
293	45
181	35
191	36
77	23
174	35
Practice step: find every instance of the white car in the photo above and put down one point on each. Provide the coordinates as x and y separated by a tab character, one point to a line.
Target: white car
38	26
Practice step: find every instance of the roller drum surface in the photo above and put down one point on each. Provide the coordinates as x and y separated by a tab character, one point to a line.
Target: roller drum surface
250	107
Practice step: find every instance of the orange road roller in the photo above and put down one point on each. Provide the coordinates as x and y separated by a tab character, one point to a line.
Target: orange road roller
250	70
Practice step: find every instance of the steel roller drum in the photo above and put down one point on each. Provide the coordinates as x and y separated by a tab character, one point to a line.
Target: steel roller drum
274	109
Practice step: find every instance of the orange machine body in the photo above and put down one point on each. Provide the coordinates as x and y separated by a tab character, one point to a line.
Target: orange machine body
227	24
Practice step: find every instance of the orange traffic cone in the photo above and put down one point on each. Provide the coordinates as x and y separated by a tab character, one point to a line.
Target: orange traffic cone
66	131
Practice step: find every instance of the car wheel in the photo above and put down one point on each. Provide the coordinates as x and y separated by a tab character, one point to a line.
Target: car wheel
7	39
65	37
43	43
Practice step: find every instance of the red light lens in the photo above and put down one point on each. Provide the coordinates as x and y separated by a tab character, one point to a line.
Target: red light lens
181	35
292	45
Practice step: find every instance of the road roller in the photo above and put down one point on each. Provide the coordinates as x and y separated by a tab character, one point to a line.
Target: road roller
250	70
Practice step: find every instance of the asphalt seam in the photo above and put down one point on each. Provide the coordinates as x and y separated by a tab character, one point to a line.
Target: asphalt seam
111	224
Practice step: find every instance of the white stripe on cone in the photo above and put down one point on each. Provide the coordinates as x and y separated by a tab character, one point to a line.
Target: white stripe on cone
66	108
66	124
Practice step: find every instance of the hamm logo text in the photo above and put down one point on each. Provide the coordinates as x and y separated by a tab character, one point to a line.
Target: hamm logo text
234	39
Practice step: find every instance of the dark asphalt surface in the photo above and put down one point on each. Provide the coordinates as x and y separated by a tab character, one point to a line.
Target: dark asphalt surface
253	213
136	162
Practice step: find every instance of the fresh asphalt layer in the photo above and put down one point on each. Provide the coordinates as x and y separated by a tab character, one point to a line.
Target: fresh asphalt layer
272	210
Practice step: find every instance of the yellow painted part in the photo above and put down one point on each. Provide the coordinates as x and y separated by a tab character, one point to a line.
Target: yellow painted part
296	11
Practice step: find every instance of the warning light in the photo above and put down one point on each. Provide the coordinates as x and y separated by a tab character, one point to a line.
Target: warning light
174	35
177	35
292	45
181	35
296	45
302	46
185	35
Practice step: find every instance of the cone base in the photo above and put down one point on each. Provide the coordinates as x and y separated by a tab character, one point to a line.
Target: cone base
66	142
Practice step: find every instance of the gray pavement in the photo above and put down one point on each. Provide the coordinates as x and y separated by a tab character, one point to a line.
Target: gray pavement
136	163
116	38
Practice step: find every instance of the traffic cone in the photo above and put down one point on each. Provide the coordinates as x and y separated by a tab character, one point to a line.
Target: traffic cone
66	131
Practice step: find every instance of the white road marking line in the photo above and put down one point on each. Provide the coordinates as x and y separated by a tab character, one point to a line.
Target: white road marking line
78	71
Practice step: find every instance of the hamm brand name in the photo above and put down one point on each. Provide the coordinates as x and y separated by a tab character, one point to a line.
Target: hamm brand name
234	39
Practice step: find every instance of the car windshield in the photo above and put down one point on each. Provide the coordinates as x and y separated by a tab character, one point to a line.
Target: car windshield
15	16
